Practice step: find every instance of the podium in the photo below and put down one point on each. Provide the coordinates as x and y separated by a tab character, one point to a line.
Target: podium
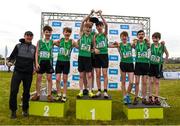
50	109
141	111
93	108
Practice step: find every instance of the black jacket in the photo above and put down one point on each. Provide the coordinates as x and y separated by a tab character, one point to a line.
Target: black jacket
24	57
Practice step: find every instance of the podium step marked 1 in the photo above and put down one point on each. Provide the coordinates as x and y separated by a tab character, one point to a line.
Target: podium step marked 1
93	108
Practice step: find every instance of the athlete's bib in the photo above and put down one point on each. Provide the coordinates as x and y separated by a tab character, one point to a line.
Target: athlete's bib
85	47
127	54
44	54
64	51
154	58
101	44
142	55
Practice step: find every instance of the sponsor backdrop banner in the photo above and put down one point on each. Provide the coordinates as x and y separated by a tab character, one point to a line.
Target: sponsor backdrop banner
171	75
114	30
5	68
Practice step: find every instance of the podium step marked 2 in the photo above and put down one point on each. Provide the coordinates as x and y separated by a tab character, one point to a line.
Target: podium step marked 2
142	111
93	108
45	108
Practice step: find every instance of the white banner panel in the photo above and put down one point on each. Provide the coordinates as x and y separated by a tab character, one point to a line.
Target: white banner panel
171	75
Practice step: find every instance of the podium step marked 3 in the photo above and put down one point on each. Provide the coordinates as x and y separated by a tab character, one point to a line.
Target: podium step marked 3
142	111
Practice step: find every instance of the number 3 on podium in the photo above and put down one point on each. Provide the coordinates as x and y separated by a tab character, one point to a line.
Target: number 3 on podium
146	113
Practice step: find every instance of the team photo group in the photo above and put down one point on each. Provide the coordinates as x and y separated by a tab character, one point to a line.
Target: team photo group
93	62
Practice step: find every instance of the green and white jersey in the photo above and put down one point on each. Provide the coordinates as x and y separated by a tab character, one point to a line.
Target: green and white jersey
102	43
156	54
142	52
126	53
64	50
45	50
85	45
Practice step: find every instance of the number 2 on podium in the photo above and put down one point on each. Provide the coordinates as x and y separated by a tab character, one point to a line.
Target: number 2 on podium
46	110
93	112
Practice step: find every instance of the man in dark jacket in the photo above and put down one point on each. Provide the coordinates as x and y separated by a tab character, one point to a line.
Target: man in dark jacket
24	56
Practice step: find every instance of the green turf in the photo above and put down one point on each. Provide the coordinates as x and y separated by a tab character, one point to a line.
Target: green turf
171	67
168	88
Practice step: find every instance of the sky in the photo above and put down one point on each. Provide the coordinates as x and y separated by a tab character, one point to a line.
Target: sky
18	16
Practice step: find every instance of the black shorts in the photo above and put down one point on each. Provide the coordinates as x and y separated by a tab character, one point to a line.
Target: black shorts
62	67
141	68
93	59
101	61
126	67
45	67
155	70
84	64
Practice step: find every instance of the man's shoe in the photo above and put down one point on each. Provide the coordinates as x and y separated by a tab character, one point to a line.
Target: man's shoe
50	98
128	99
156	101
98	94
13	115
25	113
135	102
58	97
85	92
80	95
144	101
35	97
106	95
63	99
151	102
91	95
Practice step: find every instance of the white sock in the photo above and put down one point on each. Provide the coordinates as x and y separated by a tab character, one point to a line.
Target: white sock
59	94
81	91
64	95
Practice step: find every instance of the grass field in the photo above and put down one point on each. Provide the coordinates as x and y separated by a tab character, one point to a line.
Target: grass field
168	88
171	67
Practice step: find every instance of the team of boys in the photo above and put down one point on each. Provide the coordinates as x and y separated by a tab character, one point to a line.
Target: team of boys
93	53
